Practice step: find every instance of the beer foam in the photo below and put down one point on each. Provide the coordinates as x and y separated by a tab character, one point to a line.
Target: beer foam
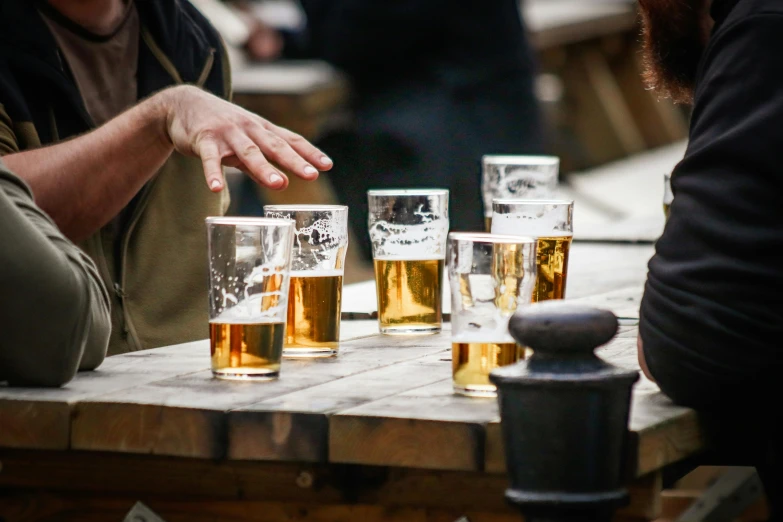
412	257
250	311
317	273
536	224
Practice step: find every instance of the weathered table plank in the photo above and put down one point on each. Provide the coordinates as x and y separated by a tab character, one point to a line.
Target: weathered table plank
41	418
185	415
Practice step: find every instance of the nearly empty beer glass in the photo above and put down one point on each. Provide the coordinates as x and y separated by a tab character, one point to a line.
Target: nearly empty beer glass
408	230
249	266
549	221
491	277
517	177
317	267
667	194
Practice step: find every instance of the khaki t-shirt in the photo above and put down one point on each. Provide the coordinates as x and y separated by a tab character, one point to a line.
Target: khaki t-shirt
103	65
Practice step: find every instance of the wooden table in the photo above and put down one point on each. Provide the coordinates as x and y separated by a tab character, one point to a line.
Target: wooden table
372	435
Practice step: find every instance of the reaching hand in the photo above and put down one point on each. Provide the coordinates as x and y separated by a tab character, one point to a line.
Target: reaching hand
221	133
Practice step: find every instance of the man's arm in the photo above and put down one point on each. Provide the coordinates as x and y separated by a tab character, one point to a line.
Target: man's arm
55	312
84	182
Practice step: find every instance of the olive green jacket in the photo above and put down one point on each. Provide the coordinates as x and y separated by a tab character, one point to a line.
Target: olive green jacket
156	265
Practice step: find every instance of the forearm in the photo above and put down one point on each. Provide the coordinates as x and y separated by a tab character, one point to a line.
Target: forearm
55	315
84	182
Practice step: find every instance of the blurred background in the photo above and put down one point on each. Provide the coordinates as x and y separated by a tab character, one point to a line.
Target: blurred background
413	92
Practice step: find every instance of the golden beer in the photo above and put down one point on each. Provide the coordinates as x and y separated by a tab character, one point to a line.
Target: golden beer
409	295
488	223
246	351
552	265
471	363
666	209
313	322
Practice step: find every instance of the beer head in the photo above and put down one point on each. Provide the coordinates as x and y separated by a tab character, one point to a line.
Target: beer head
537	218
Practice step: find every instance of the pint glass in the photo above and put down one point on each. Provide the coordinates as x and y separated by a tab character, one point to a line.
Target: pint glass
549	221
408	230
317	267
491	277
249	265
667	194
517	177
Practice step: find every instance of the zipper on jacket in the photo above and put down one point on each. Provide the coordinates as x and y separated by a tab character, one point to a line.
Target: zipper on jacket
128	329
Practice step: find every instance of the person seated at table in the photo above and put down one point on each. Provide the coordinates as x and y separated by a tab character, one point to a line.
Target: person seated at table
54	313
711	319
435	86
112	111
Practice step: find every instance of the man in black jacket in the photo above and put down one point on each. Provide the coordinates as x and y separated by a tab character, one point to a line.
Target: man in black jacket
712	313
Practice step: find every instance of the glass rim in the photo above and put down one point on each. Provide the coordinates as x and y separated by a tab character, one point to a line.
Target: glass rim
512	201
486	237
251	221
520	159
305	207
408	192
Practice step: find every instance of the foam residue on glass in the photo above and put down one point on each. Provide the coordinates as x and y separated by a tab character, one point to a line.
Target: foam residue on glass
421	239
320	245
534	180
539	219
484	293
249	284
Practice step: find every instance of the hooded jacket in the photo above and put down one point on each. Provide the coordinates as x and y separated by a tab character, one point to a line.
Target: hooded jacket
155	265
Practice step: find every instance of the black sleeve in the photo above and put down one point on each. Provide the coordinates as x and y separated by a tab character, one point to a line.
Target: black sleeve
54	311
712	312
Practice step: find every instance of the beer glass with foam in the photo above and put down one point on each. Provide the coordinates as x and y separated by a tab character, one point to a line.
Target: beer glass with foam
249	271
549	221
317	267
408	230
517	177
491	277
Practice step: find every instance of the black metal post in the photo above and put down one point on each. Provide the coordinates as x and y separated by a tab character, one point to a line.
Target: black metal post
564	415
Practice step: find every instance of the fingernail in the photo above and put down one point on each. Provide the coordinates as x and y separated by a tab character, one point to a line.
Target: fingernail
310	170
215	184
325	160
274	179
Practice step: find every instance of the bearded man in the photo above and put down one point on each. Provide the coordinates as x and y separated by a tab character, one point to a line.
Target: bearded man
712	314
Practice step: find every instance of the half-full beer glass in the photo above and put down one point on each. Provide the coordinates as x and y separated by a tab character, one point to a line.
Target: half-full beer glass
517	177
317	267
668	195
408	230
491	276
549	221
249	270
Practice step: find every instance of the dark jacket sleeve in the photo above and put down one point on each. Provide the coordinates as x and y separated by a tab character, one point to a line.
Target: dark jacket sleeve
54	313
712	312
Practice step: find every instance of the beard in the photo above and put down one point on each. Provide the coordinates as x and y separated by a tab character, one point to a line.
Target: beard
674	36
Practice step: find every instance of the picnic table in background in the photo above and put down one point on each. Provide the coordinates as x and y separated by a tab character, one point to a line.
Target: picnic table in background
375	434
